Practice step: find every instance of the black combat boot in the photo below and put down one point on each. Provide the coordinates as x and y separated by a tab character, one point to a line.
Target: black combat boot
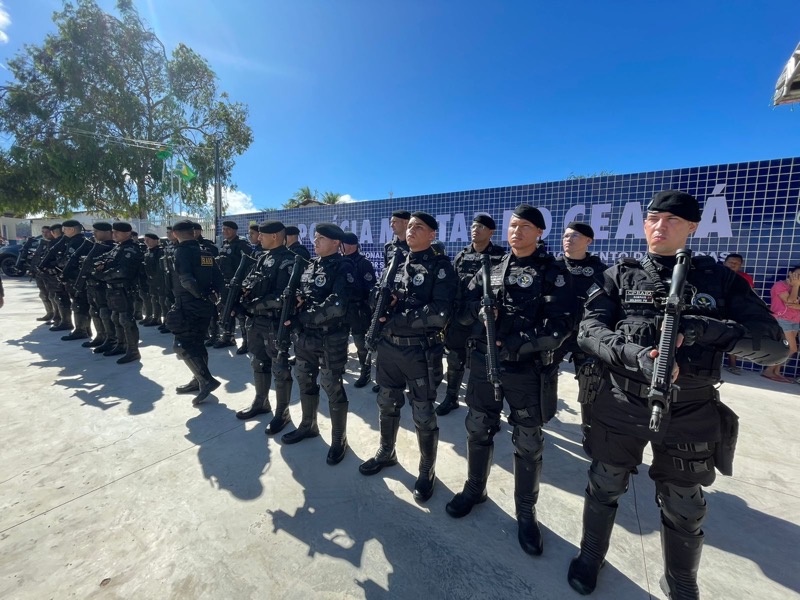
308	425
131	345
598	522
81	331
338	432
243	348
428	445
281	418
188	388
450	402
225	341
100	334
48	310
366	375
681	560
260	405
205	381
479	462
526	493
108	344
119	348
385	456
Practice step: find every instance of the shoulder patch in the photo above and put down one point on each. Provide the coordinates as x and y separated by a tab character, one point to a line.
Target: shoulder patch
593	292
350	278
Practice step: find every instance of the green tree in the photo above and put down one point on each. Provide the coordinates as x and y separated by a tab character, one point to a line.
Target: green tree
330	197
89	106
304	194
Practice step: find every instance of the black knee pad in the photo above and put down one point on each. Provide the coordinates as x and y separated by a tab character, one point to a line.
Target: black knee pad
528	442
607	483
480	426
180	351
682	508
390	402
260	366
330	379
424	415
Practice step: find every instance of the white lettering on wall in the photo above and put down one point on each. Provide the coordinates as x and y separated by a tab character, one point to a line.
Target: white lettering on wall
459	232
600	220
630	223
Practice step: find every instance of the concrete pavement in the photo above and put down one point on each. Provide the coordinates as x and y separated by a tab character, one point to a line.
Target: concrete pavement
113	486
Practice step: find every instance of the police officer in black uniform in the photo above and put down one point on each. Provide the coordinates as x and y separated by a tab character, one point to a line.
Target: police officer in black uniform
294	244
621	327
69	266
59	298
195	279
155	279
321	341
399	225
253	237
585	270
38	253
105	332
208	246
534	315
167	268
359	314
410	351
261	297
466	264
119	268
230	255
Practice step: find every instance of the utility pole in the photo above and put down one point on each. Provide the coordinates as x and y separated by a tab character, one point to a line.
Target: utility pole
217	194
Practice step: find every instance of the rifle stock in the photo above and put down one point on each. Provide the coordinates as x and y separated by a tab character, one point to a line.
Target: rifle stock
287	306
487	309
384	298
661	386
235	291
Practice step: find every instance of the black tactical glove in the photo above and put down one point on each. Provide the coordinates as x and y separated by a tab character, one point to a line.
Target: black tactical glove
709	331
646	363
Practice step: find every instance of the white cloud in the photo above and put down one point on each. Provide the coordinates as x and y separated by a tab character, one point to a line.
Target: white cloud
234	202
346	199
5	21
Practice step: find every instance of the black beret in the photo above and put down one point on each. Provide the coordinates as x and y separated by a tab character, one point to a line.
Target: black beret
402	214
292	230
122	226
253	227
197	226
427	219
72	223
680	204
350	238
529	213
169	227
485	220
55	226
152	236
134	232
102	226
231	224
330	231
185	225
271	227
583	228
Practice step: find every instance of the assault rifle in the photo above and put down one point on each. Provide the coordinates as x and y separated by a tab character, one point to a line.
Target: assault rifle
661	386
73	261
487	310
384	299
22	258
88	264
288	297
235	292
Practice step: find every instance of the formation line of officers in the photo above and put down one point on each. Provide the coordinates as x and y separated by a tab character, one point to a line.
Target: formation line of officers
607	320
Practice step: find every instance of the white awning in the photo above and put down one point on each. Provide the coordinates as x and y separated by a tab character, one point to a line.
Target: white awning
787	88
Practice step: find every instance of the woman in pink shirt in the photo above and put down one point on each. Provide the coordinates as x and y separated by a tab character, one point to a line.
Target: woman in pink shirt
785	306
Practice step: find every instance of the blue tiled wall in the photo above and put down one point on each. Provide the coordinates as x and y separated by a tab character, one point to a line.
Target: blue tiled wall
750	208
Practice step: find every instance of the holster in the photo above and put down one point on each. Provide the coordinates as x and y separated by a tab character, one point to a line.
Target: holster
726	448
590	378
548	381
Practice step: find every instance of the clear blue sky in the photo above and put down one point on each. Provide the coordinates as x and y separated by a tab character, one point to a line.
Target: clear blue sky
366	98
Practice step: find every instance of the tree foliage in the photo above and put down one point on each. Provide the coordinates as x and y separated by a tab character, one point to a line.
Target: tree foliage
81	104
304	194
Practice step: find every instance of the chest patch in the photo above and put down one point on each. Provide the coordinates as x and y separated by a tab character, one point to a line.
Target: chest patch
350	278
704	301
588	271
270	261
441	274
320	280
639	296
525	280
560	281
206	261
418	279
368	276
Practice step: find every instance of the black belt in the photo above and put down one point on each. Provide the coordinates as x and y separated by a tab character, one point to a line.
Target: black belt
267	312
416	340
322	329
637	388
